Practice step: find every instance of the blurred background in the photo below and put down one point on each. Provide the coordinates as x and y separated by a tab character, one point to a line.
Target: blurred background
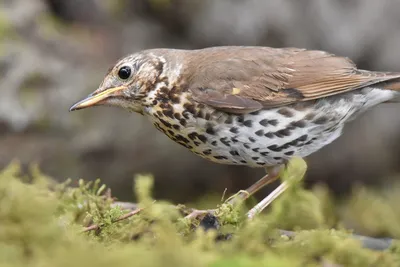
54	52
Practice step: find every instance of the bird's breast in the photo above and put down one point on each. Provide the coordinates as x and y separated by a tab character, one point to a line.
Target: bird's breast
258	139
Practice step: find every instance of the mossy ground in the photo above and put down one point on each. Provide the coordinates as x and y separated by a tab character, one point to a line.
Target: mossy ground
42	223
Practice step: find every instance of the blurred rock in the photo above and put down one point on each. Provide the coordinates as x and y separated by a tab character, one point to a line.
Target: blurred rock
54	52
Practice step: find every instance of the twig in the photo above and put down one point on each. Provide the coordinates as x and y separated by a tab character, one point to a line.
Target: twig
123	217
223	195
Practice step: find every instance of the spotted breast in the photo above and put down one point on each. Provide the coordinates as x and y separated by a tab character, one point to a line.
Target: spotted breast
259	139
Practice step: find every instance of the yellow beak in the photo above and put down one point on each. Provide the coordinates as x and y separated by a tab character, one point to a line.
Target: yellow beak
94	99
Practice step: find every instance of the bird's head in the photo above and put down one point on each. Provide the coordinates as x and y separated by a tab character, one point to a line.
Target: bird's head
127	83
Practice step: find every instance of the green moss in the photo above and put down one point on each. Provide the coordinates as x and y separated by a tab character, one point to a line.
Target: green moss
42	224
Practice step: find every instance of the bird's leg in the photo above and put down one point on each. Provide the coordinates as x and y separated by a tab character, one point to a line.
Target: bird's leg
267	200
271	176
296	169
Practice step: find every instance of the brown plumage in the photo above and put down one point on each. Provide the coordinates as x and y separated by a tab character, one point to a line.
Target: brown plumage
252	106
270	77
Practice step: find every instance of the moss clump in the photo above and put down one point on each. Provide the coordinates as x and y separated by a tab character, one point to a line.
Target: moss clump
42	224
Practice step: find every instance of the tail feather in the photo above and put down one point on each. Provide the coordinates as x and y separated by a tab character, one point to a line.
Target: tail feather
391	85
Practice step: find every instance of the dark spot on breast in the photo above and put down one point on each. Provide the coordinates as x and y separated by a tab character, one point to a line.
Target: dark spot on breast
175	99
159	113
173	94
233	139
309	142
251	139
176	126
196	143
210	129
269	135
246	145
207	152
264	153
321	120
192	135
275	148
302	138
259	133
260	163
154	102
234	130
200	114
290	127
273	122
165	105
243	161
240	118
264	122
291	143
182	138
225	141
234	153
255	112
256	149
214	143
182	122
277	158
285	112
229	120
287	145
289	153
167	124
310	116
169	113
255	158
202	138
299	124
177	116
284	132
164	90
248	123
220	157
190	108
207	116
171	132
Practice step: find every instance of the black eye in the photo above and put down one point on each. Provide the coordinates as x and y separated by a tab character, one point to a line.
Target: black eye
124	72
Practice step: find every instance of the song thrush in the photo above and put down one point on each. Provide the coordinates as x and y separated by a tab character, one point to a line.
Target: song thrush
252	106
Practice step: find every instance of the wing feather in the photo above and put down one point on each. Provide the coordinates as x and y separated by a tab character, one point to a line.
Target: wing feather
269	77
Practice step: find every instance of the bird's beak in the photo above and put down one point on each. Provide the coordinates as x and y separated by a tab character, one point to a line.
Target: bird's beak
96	98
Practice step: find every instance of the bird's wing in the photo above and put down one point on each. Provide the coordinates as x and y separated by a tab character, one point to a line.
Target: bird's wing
243	79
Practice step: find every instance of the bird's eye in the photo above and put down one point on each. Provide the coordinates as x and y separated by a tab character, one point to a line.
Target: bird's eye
124	72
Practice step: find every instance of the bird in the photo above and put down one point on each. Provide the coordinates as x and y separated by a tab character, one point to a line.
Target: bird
253	106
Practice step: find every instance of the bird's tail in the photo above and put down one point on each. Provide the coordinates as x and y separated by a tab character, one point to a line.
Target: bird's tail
393	85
